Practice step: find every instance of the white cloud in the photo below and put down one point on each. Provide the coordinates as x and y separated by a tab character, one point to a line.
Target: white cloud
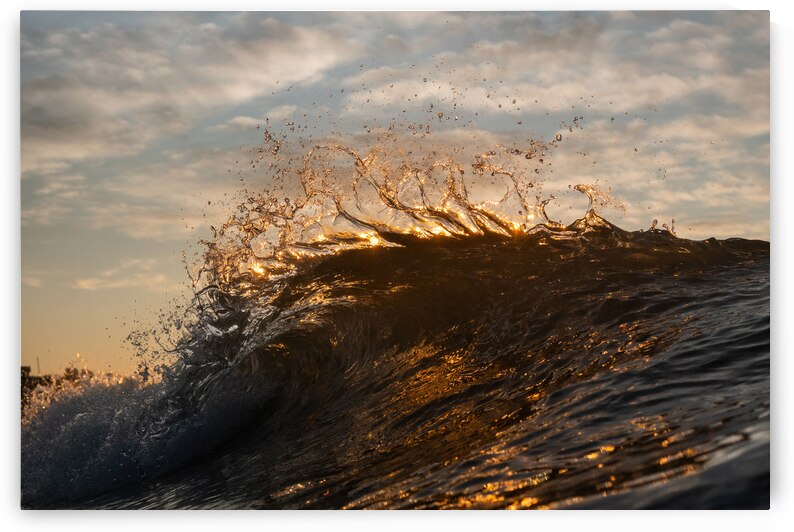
281	112
277	113
135	273
62	186
238	122
31	280
114	90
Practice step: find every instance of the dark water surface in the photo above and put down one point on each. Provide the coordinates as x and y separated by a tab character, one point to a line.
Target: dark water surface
604	369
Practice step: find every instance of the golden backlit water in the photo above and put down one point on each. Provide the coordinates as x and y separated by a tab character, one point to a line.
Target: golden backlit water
547	370
410	329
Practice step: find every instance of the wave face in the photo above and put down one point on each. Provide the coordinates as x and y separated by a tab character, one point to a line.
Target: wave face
579	366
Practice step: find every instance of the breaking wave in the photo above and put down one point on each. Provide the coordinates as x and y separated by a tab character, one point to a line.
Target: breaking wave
388	331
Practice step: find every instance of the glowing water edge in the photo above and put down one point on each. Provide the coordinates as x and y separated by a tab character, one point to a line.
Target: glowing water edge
409	329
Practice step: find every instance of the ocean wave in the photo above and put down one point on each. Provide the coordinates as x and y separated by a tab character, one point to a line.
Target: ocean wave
487	369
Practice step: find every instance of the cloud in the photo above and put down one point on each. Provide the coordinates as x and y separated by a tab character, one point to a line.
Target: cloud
44	214
134	273
239	122
112	90
35	281
168	200
277	113
282	112
63	186
616	65
160	200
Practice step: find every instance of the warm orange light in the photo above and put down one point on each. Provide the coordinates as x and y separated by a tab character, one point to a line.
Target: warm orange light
372	239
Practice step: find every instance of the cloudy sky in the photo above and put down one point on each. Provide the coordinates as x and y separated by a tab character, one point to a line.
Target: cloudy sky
135	128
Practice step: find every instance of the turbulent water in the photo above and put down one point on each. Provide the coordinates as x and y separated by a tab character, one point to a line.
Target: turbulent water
433	351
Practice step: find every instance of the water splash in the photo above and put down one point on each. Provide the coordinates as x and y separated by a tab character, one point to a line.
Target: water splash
665	228
334	198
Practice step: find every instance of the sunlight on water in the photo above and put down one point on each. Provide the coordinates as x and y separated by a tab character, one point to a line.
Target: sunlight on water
339	200
400	323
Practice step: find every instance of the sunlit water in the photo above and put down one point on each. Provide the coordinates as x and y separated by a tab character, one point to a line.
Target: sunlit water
489	372
400	339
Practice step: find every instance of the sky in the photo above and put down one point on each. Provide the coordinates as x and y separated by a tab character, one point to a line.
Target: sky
136	127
